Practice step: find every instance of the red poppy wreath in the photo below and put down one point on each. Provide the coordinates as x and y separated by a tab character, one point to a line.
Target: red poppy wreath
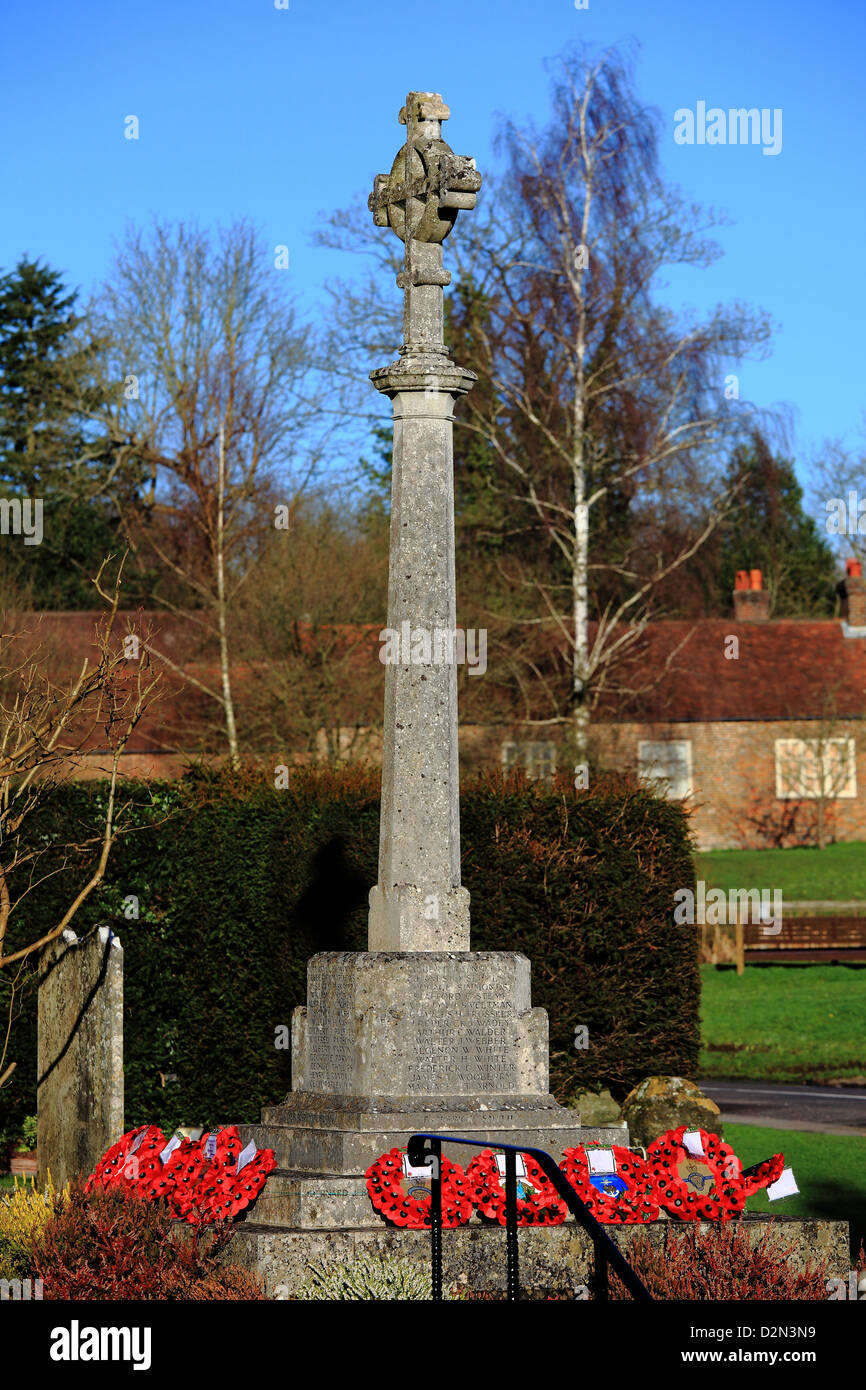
131	1163
404	1199
199	1187
622	1194
698	1180
538	1202
224	1192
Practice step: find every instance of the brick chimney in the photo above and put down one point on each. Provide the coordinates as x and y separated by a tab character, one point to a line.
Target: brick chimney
751	601
852	591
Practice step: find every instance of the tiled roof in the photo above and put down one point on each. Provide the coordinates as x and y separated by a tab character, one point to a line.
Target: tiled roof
784	670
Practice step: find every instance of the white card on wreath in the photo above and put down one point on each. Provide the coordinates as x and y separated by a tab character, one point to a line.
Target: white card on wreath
416	1170
519	1165
692	1143
246	1154
601	1160
173	1143
785	1186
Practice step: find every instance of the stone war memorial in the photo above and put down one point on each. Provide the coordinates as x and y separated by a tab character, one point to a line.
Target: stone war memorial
418	1033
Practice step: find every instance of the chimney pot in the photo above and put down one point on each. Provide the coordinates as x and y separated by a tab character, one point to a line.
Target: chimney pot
852	591
751	600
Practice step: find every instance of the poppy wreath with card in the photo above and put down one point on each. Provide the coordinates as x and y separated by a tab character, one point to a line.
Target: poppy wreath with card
185	1169
208	1189
697	1187
538	1202
131	1163
385	1184
625	1197
223	1192
197	1188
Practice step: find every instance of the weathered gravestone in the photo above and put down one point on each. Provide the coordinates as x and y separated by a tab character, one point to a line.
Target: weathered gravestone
418	1032
80	1053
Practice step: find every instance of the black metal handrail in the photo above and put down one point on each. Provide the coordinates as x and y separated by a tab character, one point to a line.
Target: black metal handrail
423	1147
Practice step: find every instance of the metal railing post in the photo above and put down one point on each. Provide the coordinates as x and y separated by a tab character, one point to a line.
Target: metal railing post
436	1219
513	1268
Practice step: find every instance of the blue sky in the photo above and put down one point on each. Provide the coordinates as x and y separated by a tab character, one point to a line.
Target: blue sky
283	114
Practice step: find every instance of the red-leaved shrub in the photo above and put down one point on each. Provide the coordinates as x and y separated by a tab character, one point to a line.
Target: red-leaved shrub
109	1245
720	1263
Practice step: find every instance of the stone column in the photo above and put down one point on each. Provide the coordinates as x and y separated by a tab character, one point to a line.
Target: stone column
418	903
80	1053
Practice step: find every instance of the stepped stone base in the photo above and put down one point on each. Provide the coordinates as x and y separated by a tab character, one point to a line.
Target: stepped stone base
309	1199
323	1156
553	1260
310	1134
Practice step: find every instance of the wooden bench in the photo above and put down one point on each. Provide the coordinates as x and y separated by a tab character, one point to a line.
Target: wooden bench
827	938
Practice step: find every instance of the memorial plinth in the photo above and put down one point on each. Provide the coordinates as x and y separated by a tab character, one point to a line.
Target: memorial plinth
418	1032
394	1042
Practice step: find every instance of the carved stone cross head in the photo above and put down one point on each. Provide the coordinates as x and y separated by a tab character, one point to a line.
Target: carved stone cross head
428	184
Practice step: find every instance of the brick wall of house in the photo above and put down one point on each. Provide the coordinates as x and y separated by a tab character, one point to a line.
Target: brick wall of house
734	802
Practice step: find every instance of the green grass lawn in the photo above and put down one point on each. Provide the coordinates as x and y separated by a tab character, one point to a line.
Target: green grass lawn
835	873
830	1170
784	1023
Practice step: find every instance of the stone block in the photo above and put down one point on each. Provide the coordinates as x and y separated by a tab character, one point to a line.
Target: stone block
425	1024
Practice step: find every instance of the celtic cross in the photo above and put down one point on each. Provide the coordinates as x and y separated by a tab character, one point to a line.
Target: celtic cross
419	199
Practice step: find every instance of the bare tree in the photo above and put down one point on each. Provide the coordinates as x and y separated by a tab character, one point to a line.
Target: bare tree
48	727
813	773
213	393
840	493
602	403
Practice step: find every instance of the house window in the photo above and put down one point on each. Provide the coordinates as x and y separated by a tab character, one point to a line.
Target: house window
812	768
538	760
667	763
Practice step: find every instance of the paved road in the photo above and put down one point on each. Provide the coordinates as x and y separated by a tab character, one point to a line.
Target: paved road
828	1109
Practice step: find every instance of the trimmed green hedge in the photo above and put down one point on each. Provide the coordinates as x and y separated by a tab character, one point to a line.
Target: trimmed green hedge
238	884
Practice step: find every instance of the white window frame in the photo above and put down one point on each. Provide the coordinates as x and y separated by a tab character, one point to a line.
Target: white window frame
652	752
802	753
529	756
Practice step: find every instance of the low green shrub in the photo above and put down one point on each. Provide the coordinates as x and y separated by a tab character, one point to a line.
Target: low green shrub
378	1277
